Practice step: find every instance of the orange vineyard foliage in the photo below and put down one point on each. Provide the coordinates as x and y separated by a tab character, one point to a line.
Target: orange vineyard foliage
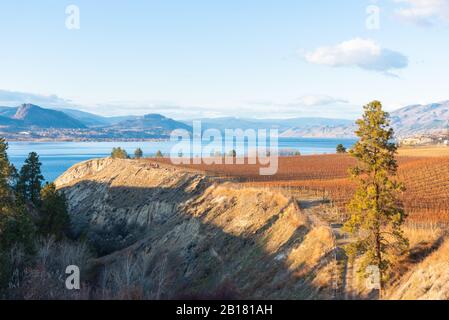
426	198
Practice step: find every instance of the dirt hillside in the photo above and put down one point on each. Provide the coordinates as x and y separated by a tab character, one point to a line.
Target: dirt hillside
185	234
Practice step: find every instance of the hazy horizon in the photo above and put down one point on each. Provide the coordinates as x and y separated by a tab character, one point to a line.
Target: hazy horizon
151	111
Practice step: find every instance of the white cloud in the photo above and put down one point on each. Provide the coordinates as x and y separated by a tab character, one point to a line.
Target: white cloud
424	12
15	98
311	105
319	100
363	53
307	101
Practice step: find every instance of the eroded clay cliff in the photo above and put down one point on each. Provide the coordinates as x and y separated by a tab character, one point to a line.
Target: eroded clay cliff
179	233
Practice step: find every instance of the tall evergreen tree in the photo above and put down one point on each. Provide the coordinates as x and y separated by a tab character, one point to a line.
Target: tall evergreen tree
6	200
159	154
119	153
341	149
16	226
138	153
30	180
53	215
376	212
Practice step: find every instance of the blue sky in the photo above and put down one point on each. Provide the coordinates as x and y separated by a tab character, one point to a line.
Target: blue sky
246	58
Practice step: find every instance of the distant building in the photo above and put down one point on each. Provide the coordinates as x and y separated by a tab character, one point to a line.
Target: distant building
428	139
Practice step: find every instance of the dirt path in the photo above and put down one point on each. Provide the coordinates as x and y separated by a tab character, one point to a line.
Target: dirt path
343	277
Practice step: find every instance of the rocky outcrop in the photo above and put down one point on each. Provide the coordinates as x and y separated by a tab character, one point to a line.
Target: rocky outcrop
190	235
114	202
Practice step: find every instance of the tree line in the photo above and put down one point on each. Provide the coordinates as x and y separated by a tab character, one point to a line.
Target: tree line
120	153
29	209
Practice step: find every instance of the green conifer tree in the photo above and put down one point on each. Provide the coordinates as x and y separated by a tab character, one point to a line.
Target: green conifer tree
30	180
341	149
376	212
159	154
6	200
53	216
119	153
138	153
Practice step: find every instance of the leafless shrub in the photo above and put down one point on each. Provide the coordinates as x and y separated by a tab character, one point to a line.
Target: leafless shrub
43	277
125	279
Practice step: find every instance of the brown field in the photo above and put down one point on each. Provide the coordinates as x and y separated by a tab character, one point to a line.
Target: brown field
321	167
430	151
425	176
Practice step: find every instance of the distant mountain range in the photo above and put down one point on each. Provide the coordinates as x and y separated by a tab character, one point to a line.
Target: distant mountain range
30	115
408	121
93	120
421	119
31	121
151	121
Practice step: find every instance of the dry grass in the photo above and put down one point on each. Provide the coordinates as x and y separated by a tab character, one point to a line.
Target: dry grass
419	234
284	229
428	280
318	242
434	151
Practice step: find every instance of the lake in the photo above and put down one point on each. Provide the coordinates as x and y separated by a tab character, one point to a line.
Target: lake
57	157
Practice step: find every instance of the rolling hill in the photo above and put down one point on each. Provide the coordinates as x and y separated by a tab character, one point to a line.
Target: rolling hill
419	119
94	120
151	121
35	116
7	112
8	122
87	125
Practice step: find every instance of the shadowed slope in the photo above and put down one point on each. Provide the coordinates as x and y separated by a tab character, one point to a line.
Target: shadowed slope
193	233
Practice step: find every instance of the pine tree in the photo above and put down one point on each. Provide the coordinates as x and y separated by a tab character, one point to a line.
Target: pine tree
53	216
119	153
159	154
30	180
16	225
138	153
341	148
17	229
376	212
5	175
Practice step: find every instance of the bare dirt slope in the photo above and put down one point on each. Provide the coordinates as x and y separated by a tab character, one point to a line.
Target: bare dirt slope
179	233
428	280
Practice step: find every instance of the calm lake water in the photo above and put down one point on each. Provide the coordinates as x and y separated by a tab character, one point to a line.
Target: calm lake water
57	157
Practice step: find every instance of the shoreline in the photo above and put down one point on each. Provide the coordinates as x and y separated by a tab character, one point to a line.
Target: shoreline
85	140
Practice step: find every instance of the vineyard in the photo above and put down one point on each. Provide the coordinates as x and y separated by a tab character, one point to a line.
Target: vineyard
427	194
426	179
321	167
